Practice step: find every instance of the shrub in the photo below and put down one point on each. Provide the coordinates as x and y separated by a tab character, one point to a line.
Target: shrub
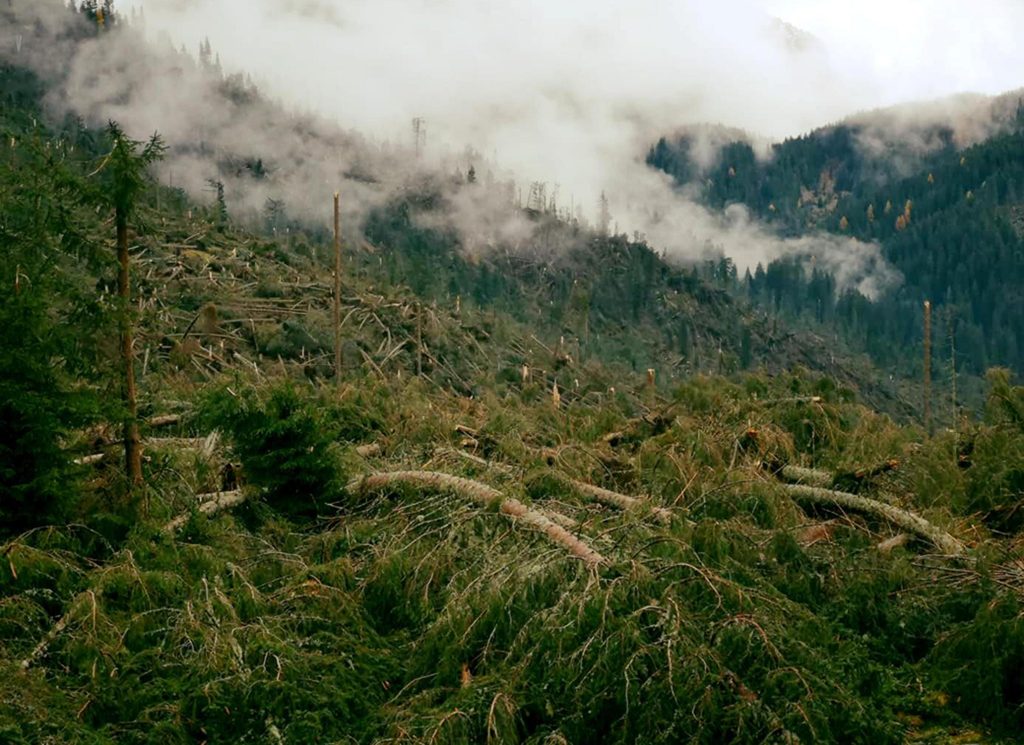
980	664
995	484
39	406
287	440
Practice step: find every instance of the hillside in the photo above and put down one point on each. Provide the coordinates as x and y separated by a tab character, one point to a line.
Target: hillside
938	185
451	239
490	524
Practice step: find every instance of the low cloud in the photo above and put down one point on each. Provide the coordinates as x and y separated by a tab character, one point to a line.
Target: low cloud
568	94
685	230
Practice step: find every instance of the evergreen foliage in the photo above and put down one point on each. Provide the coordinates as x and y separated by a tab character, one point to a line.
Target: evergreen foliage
125	169
52	323
949	220
288	442
416	617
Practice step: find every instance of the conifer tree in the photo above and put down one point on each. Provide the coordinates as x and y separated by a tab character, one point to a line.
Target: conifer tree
49	322
125	168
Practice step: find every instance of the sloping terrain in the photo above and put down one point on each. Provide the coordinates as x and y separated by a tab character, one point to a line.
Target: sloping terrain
694	597
628	565
493	526
937	185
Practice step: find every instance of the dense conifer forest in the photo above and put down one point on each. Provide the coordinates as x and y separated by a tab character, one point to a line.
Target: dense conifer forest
949	219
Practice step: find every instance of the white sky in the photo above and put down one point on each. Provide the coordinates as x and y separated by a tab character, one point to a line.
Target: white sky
574	91
918	48
889	50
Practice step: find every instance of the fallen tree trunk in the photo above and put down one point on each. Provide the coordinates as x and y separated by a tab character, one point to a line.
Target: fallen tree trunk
88	460
485	496
807	476
164	420
844	480
606	497
622	502
206	445
58	628
899	517
210	505
794	400
214	503
855	481
475	459
636	430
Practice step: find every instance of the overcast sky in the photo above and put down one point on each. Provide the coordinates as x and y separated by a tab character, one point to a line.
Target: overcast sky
919	48
573	91
892	50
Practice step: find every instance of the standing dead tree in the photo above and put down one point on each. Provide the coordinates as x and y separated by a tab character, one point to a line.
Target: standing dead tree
337	288
927	367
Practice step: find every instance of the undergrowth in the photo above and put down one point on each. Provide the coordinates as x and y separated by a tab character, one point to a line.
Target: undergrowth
315	615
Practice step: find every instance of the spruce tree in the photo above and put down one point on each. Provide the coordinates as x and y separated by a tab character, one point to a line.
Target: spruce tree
50	321
126	168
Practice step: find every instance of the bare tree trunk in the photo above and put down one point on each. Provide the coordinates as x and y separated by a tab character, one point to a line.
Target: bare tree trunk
620	501
337	288
927	367
132	440
952	380
901	518
209	505
419	340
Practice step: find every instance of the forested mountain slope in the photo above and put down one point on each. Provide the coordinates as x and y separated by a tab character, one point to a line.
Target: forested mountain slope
942	192
452	237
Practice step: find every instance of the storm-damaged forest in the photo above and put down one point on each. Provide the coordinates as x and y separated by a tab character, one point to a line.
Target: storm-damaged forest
310	435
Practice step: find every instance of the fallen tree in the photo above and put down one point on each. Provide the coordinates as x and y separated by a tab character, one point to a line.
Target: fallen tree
81	600
806	476
598	494
902	518
210	504
843	480
619	501
485	496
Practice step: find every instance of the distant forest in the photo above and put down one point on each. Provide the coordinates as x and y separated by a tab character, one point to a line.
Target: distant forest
954	229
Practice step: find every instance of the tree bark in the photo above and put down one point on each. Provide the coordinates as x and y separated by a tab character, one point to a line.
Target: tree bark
419	340
132	439
619	501
210	505
337	289
485	496
806	476
902	518
928	368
